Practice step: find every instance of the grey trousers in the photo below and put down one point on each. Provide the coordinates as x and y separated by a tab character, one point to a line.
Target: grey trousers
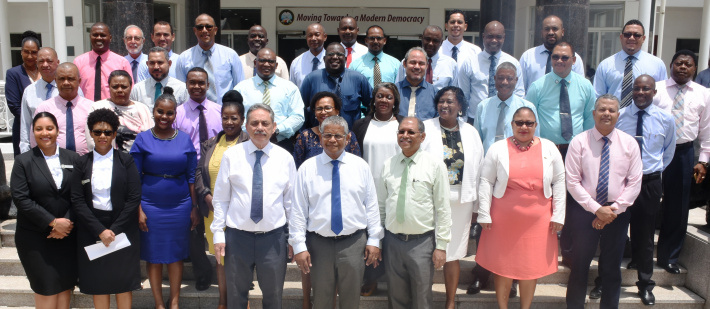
337	263
268	253
410	271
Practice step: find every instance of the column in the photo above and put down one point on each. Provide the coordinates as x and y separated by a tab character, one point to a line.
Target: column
504	12
119	14
5	55
193	9
59	25
704	37
574	15
645	9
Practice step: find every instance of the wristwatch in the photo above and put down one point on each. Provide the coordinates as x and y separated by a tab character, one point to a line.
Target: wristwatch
705	164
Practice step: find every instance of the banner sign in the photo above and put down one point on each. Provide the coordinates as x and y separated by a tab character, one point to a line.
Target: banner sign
394	21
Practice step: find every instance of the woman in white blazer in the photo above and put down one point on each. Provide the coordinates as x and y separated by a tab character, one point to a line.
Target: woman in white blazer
458	144
521	208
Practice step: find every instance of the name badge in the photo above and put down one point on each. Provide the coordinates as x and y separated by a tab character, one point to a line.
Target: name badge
85	181
67	166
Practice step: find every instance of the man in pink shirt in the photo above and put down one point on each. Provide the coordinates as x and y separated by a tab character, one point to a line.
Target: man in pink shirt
70	108
99	60
604	172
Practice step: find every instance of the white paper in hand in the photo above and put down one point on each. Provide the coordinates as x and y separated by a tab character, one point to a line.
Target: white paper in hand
98	250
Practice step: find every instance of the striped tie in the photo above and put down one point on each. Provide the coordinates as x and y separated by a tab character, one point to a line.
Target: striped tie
627	83
491	77
267	96
603	183
376	74
678	102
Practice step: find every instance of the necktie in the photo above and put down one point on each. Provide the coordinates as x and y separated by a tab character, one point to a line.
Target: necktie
491	76
336	215
253	73
257	190
338	91
455	53
203	124
212	90
639	130
70	144
678	102
603	183
134	67
267	95
565	111
429	72
49	92
376	74
158	91
315	64
350	57
402	197
97	80
548	66
627	83
411	112
500	126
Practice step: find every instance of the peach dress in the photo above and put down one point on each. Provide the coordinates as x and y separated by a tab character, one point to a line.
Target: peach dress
519	244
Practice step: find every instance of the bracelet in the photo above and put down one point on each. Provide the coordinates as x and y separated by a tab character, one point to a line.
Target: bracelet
54	223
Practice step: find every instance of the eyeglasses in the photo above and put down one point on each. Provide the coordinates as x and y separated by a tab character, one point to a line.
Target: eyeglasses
408	132
133	38
628	35
325	108
256	36
328	136
201	27
558	57
98	133
375	38
262	60
520	123
335	55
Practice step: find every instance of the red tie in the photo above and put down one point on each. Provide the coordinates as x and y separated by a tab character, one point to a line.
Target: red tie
429	72
350	57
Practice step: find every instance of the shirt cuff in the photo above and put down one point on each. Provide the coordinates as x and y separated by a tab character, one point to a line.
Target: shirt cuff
593	206
703	157
373	241
441	244
299	247
218	237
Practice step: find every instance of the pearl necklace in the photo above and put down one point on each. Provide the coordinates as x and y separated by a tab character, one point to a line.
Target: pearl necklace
375	117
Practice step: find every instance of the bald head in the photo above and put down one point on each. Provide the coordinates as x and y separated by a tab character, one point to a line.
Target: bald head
493	37
67	77
204	16
348	30
552	31
432	38
257	39
47	63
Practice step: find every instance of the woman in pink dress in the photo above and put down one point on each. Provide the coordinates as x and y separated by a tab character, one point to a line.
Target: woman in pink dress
522	207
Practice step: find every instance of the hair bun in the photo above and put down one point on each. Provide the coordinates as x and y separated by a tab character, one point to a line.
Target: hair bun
233	96
30	33
168	90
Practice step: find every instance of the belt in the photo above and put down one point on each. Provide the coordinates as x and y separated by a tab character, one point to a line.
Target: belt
562	146
408	237
651	176
260	232
608	204
338	237
684	145
163	175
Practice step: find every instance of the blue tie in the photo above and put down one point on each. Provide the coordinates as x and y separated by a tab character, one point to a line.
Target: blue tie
336	215
134	67
49	92
315	64
254	72
639	130
70	145
257	190
548	66
455	53
565	112
603	183
491	77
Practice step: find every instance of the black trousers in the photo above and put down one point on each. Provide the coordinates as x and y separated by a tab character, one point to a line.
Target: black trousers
201	266
676	198
611	240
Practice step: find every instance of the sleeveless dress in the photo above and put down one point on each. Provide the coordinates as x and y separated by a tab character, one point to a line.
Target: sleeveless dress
519	244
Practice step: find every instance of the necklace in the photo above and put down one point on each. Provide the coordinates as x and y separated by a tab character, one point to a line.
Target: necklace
374	116
522	148
175	133
454	128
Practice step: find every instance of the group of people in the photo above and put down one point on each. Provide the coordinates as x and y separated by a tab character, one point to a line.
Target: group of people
166	150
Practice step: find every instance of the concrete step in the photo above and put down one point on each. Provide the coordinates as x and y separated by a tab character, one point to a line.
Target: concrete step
15	292
10	266
7	233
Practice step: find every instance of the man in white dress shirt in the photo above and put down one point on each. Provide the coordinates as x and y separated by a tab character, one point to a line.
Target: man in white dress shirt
477	74
348	31
44	89
257	39
151	88
334	222
537	61
252	199
312	59
134	40
455	46
442	67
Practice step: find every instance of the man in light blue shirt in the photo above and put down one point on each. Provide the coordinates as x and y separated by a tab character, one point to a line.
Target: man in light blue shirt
609	77
221	62
416	95
163	36
536	62
704	77
476	74
488	116
281	95
547	95
133	39
443	68
376	60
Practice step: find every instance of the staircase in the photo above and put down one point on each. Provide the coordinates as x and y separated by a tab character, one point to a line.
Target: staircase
670	292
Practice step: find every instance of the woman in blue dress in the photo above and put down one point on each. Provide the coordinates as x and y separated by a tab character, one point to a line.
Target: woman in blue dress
166	160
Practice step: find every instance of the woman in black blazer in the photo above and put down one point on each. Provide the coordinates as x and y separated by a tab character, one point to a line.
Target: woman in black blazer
41	191
18	78
106	192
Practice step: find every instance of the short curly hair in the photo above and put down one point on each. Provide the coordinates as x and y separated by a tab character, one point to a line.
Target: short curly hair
103	115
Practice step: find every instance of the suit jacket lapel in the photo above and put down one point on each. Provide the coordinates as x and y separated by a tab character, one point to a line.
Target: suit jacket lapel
38	159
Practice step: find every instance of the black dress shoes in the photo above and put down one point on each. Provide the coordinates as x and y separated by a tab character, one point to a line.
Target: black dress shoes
671	268
631	265
596	292
647	298
202	285
476	286
513	290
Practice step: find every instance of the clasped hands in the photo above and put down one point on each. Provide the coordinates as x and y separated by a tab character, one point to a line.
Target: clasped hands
62	228
605	215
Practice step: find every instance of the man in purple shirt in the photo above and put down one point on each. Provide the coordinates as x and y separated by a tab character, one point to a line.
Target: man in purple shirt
70	108
604	172
201	119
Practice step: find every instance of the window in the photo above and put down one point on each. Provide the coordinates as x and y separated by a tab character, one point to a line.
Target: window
605	22
92	14
16	47
235	26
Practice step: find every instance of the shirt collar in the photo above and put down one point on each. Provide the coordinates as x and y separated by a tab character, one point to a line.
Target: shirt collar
498	54
104	56
542	50
55	155
670	82
212	49
193	104
63	102
598	135
324	158
558	78
424	84
414	157
379	55
434	58
636	55
251	148
107	156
